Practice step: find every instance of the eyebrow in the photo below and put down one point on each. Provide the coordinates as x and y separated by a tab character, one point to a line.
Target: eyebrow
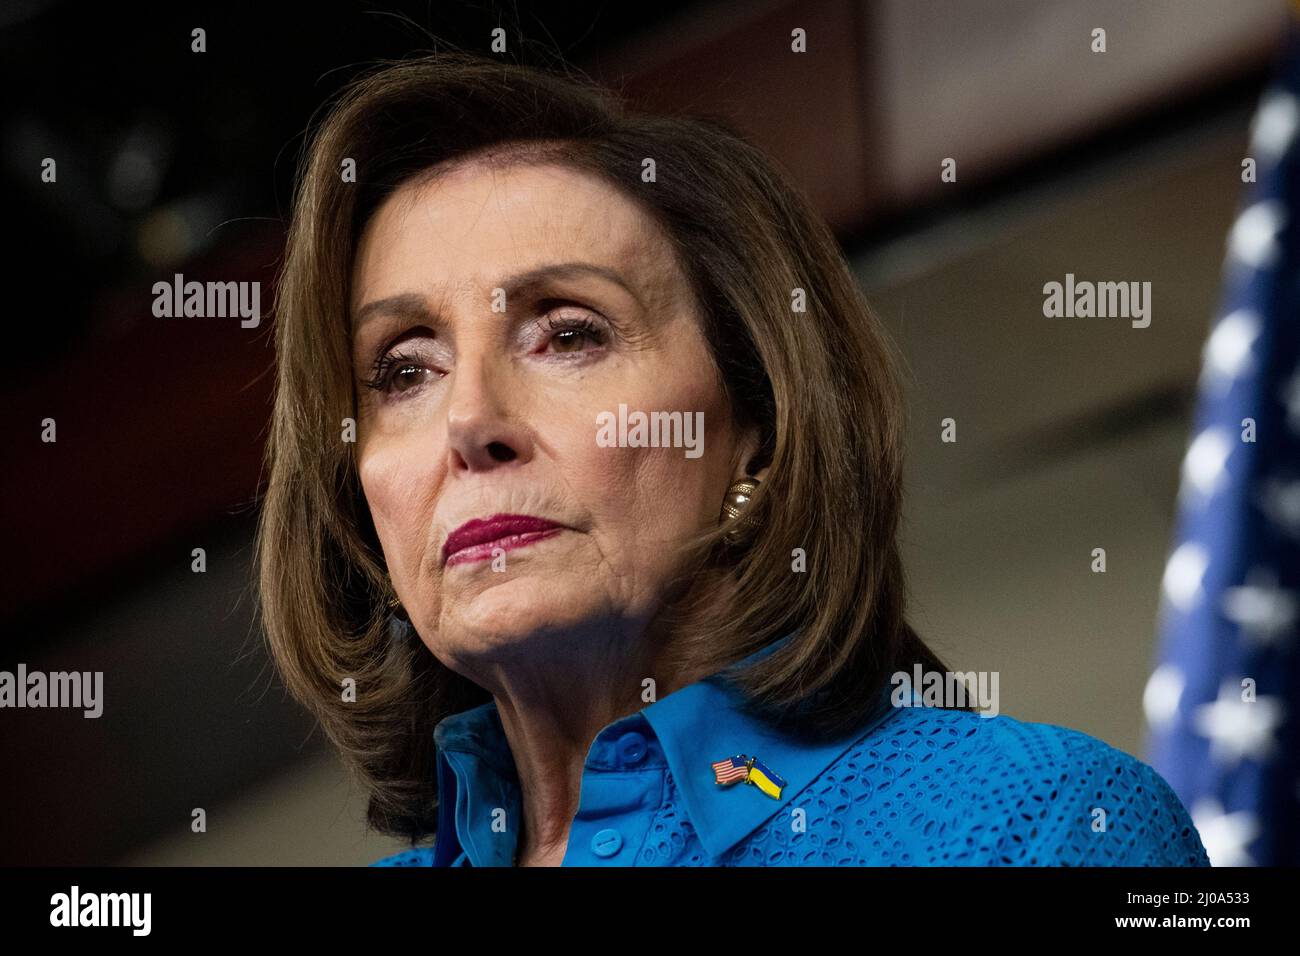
412	304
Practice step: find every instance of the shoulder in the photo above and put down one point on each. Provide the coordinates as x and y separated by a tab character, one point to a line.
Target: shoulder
968	789
419	856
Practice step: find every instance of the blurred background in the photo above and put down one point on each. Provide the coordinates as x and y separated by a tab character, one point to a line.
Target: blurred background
1122	165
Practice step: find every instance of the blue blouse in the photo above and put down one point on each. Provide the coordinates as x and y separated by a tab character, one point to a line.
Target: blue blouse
919	786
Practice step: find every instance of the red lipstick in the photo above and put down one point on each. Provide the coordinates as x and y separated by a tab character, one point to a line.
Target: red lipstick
476	540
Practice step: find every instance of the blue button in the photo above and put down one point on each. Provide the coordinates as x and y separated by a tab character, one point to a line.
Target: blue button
631	748
606	843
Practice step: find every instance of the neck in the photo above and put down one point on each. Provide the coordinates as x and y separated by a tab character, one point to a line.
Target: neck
552	713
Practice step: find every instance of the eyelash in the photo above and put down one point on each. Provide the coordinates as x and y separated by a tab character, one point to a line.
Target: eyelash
584	325
381	373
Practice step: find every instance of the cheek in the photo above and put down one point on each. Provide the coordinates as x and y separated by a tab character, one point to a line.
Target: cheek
640	495
399	482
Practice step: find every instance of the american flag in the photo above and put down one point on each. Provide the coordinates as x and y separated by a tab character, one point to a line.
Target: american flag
731	770
1221	704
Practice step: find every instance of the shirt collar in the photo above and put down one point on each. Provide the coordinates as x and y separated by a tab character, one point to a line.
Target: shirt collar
704	723
474	766
696	726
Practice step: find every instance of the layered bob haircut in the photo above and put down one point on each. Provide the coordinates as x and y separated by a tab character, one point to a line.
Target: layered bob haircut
822	384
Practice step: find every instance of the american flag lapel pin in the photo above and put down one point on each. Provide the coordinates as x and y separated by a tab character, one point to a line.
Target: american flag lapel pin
732	770
751	770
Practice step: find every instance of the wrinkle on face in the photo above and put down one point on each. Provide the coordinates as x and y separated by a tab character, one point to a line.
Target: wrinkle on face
453	240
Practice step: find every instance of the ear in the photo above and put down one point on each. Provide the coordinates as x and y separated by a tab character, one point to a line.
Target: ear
746	453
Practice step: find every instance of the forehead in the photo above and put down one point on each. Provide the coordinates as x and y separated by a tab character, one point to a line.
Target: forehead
477	222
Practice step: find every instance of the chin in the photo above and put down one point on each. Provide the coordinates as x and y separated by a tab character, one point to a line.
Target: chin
507	611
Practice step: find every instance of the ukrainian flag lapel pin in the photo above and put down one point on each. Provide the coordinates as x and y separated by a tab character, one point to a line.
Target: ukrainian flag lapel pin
751	770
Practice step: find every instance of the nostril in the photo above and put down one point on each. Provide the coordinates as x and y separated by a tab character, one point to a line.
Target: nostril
500	452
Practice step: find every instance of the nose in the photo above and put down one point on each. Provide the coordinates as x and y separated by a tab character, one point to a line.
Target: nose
481	433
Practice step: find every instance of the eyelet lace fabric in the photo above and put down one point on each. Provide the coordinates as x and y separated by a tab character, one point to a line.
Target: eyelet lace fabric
951	788
932	787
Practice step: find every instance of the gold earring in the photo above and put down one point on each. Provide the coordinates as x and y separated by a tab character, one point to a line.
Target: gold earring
394	602
735	504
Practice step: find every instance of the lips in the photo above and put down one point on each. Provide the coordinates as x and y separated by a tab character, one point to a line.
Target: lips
476	540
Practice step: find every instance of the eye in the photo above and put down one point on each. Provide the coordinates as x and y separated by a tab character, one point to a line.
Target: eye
570	333
396	372
406	376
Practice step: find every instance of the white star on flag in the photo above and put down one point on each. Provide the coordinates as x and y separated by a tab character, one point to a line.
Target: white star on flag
1183	574
1203	465
1280	501
1160	698
1227	351
1274	126
1262	610
1225	835
1253	240
1237	728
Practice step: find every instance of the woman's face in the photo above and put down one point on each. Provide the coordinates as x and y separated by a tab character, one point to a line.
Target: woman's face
508	310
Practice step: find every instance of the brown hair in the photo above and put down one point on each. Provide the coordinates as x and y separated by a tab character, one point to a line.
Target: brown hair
822	385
